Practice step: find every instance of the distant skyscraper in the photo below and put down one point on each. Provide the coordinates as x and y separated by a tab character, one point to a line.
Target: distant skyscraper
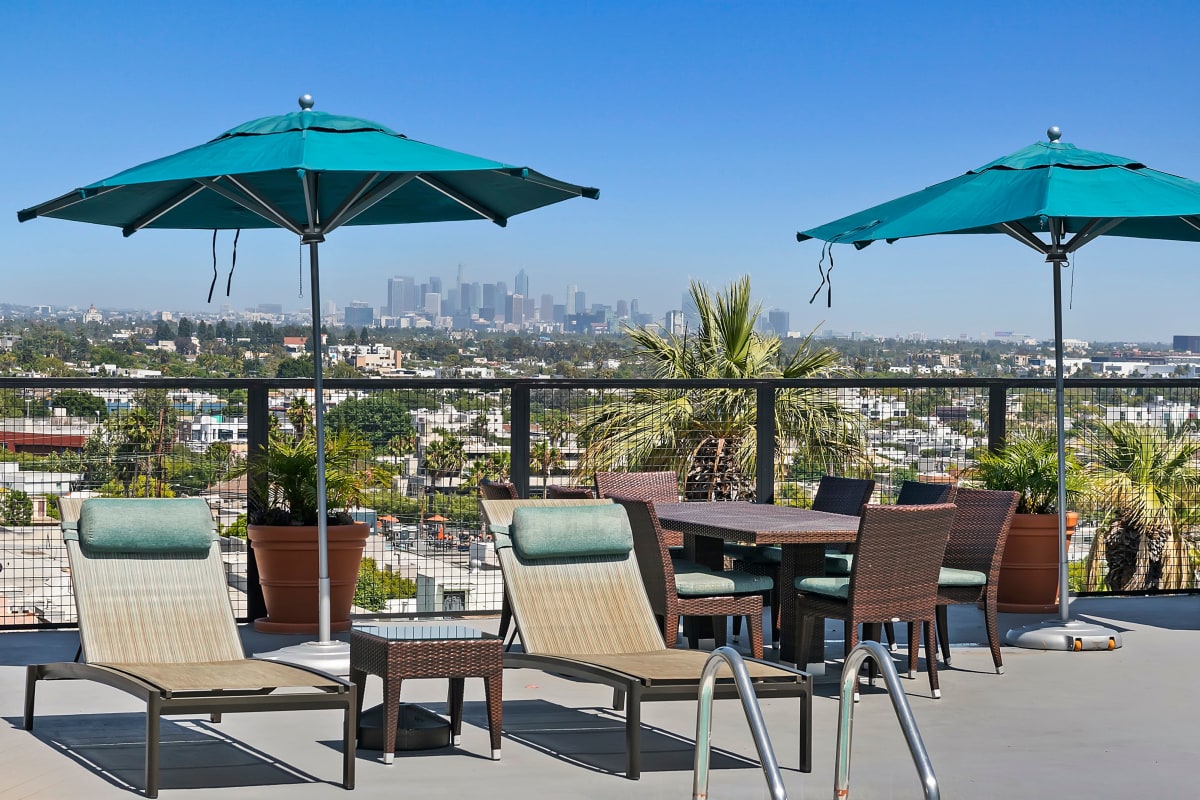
433	304
501	292
514	309
622	309
580	302
675	323
401	296
633	308
469	301
530	308
521	284
547	311
1186	344
359	314
435	284
570	304
779	322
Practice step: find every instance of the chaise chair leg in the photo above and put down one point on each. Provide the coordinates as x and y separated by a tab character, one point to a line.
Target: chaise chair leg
33	673
153	728
633	736
931	659
350	737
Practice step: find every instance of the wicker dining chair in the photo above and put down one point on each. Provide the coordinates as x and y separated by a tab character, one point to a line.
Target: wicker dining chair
657	487
679	588
894	577
835	495
971	566
497	490
556	491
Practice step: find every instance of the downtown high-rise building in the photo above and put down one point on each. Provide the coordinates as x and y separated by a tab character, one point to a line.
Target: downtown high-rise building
779	322
546	312
402	296
521	284
570	304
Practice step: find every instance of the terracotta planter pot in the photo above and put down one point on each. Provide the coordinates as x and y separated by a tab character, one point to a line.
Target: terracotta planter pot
1029	571
287	571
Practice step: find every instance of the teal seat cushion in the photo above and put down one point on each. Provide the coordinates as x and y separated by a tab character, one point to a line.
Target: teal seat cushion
706	583
570	532
145	525
838	563
676	553
830	587
961	577
755	554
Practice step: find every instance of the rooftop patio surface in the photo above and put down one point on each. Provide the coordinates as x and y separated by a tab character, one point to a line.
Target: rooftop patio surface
1073	725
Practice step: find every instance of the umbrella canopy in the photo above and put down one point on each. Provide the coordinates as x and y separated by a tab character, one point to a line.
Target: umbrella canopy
309	172
1083	190
1055	198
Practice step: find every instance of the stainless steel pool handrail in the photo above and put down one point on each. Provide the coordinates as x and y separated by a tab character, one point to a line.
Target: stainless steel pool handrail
920	756
758	729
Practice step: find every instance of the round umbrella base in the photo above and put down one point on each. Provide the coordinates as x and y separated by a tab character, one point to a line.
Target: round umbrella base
331	657
417	728
1073	636
266	625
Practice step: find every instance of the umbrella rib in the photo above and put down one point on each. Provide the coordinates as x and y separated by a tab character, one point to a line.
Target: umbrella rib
1190	222
308	179
463	200
362	200
1093	229
1023	235
59	203
162	210
252	203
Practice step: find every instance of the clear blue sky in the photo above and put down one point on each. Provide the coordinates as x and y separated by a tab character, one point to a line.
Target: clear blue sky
714	130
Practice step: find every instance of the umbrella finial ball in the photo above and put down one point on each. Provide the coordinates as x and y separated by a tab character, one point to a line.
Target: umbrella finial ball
1053	133
306	102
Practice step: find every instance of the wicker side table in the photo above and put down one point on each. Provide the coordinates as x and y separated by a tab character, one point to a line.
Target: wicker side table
396	652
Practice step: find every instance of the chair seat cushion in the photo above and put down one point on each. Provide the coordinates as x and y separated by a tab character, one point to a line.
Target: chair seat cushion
830	587
755	554
961	577
838	564
570	531
676	553
705	583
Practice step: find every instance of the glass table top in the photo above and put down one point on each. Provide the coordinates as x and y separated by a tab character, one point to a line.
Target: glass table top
416	632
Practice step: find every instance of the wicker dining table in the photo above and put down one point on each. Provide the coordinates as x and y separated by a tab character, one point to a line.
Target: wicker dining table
801	533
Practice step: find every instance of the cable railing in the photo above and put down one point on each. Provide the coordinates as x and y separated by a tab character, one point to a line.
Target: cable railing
440	438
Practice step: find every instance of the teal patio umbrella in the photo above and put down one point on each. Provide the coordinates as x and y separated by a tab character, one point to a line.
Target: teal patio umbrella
1054	198
309	172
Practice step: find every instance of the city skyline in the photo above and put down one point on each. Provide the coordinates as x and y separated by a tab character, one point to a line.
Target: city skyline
713	132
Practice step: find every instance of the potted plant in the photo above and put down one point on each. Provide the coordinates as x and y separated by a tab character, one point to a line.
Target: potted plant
1029	571
283	526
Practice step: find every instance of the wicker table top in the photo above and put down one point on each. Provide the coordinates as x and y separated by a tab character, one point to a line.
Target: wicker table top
757	523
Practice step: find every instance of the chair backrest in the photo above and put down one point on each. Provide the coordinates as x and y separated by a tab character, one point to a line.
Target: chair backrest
650	545
898	557
980	530
572	604
497	490
657	487
919	493
149	582
556	491
843	495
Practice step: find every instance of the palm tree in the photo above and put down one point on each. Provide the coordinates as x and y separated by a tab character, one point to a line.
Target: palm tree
1147	482
445	457
708	435
300	414
544	457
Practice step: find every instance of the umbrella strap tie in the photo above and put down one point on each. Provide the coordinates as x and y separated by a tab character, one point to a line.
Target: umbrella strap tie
233	261
826	275
232	265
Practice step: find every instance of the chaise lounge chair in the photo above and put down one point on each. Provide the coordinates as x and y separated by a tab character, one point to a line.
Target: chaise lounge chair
155	621
582	611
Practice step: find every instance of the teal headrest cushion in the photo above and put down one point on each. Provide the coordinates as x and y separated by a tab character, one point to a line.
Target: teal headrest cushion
145	525
570	532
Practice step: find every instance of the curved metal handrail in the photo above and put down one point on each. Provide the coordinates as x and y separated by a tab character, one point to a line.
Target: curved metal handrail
854	662
758	728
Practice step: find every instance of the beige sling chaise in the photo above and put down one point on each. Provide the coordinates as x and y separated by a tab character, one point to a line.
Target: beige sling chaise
155	621
581	610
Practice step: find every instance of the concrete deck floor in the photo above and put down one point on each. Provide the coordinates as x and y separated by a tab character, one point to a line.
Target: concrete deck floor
1071	725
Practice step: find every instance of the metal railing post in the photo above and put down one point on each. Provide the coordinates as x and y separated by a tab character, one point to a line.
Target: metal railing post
258	416
997	415
764	426
519	443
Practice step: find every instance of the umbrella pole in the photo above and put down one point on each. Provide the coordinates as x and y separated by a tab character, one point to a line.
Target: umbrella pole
1063	633
323	587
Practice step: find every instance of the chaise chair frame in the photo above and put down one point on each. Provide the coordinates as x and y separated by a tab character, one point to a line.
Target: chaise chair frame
566	631
196	664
